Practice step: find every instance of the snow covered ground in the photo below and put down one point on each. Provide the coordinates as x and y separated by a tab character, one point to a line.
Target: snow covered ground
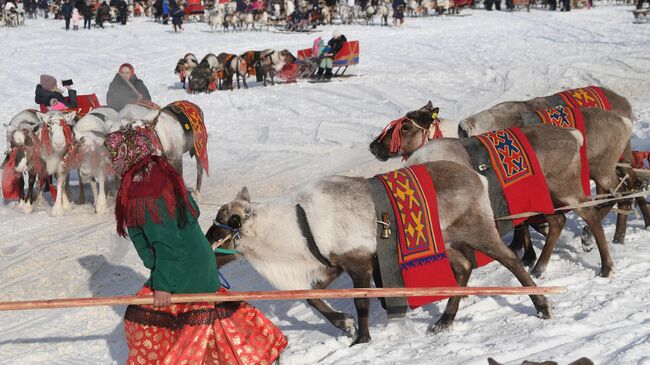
276	138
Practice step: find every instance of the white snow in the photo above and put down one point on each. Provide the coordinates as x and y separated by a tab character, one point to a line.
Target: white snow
275	138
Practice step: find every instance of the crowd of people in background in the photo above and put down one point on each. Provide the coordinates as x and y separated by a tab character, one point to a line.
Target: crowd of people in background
297	17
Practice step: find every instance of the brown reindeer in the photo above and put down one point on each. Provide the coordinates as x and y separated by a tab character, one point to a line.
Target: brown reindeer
602	150
508	114
335	217
232	65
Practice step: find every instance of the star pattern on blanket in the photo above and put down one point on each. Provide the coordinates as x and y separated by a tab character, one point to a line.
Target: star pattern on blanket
507	155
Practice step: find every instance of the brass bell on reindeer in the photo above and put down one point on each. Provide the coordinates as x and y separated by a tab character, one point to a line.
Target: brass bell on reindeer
385	226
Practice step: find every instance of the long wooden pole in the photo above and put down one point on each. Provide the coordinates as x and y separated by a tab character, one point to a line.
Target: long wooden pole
284	295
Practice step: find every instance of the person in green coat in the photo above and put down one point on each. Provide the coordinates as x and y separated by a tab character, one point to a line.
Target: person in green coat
155	210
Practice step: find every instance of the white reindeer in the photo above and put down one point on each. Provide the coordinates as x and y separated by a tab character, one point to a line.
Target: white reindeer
216	19
58	145
369	15
169	132
383	13
90	133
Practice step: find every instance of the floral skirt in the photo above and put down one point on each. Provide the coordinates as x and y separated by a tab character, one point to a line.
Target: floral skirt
200	333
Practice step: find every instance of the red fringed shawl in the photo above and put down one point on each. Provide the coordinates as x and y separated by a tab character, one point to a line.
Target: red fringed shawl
142	186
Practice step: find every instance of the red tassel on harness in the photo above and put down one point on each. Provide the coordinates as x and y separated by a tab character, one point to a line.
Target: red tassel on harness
396	136
10	182
437	133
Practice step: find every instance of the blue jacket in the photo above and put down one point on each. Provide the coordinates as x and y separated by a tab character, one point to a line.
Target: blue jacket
398	3
66	10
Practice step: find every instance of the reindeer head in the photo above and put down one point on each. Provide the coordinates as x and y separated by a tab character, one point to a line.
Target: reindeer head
231	216
287	56
93	154
57	128
181	66
404	136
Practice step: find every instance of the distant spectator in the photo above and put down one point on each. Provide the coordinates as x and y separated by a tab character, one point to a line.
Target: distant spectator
44	6
177	14
66	11
398	12
88	15
103	13
75	19
122	10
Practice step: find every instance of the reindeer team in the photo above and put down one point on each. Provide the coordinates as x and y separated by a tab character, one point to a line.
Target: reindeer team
339	211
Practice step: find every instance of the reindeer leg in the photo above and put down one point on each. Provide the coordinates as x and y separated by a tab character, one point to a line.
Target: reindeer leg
462	268
82	192
100	202
93	189
31	196
65	193
507	258
555	223
645	210
591	216
361	274
521	239
57	209
244	81
342	321
22	196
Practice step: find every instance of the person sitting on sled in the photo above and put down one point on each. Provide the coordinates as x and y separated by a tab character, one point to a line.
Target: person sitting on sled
155	208
297	20
48	94
126	88
327	54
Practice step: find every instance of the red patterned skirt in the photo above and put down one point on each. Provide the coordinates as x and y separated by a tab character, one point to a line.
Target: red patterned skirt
200	333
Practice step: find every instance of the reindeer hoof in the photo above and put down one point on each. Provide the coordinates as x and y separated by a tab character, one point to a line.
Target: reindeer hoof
361	339
542	307
347	325
27	208
619	240
537	271
57	211
438	328
544	313
606	272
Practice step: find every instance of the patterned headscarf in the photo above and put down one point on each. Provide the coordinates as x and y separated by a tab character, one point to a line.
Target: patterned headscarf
127	148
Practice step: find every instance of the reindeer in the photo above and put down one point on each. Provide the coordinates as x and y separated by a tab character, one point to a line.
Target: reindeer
603	152
203	75
412	7
272	62
338	214
185	66
326	14
507	114
263	19
383	12
58	153
22	144
369	15
168	131
94	167
232	65
216	19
